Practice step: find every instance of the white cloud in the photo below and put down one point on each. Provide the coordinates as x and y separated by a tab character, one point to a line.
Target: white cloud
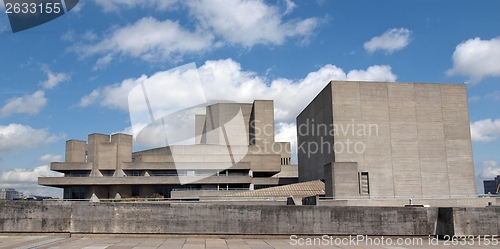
215	24
103	62
89	35
476	59
78	7
248	23
21	137
115	5
53	79
68	35
226	80
494	96
150	40
287	132
4	26
373	73
290	6
488	169
167	91
130	130
48	158
25	181
392	40
475	98
91	98
485	130
23	175
29	104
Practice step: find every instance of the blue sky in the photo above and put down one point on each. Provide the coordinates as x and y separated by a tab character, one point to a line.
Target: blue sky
70	77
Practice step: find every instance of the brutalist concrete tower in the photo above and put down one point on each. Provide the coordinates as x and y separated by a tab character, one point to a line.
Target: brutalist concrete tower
381	139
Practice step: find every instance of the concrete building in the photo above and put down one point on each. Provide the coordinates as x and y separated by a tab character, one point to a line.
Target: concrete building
492	186
380	139
228	155
10	194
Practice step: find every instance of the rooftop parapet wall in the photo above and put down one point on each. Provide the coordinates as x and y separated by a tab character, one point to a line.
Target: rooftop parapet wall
182	218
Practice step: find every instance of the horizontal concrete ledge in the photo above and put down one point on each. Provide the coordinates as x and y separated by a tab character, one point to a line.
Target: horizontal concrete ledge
145	180
235	220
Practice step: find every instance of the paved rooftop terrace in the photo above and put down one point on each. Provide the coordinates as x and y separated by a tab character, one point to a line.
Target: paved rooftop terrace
101	242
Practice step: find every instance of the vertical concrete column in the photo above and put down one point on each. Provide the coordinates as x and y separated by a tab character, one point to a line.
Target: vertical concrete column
199	128
93	148
262	123
211	124
123	151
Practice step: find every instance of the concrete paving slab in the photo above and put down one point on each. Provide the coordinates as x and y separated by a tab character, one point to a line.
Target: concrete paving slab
158	242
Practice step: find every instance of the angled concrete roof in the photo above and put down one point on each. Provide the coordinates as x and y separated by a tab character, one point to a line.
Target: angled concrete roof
297	189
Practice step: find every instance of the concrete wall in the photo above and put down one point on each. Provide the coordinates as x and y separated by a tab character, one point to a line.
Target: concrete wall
469	221
388	202
22	216
199	218
315	142
225	115
341	179
76	151
262	123
412	138
181	218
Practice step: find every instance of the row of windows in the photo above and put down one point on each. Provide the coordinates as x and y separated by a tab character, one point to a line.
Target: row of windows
78	192
188	173
110	173
286	161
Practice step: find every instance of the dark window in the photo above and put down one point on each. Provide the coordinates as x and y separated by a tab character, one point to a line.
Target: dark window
165	190
364	183
74	192
136	190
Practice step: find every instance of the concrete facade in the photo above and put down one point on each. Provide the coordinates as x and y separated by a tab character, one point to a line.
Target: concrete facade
406	139
229	155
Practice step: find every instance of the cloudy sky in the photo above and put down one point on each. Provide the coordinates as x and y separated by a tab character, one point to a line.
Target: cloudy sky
71	77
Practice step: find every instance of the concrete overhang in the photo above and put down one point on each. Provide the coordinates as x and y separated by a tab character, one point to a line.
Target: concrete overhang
141	180
63	167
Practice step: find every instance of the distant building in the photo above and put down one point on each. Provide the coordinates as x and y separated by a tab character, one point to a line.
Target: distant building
241	156
10	194
491	186
387	139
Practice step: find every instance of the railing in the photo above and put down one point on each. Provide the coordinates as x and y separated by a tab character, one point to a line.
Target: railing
76	175
405	197
205	199
152	199
152	175
213	189
243	198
